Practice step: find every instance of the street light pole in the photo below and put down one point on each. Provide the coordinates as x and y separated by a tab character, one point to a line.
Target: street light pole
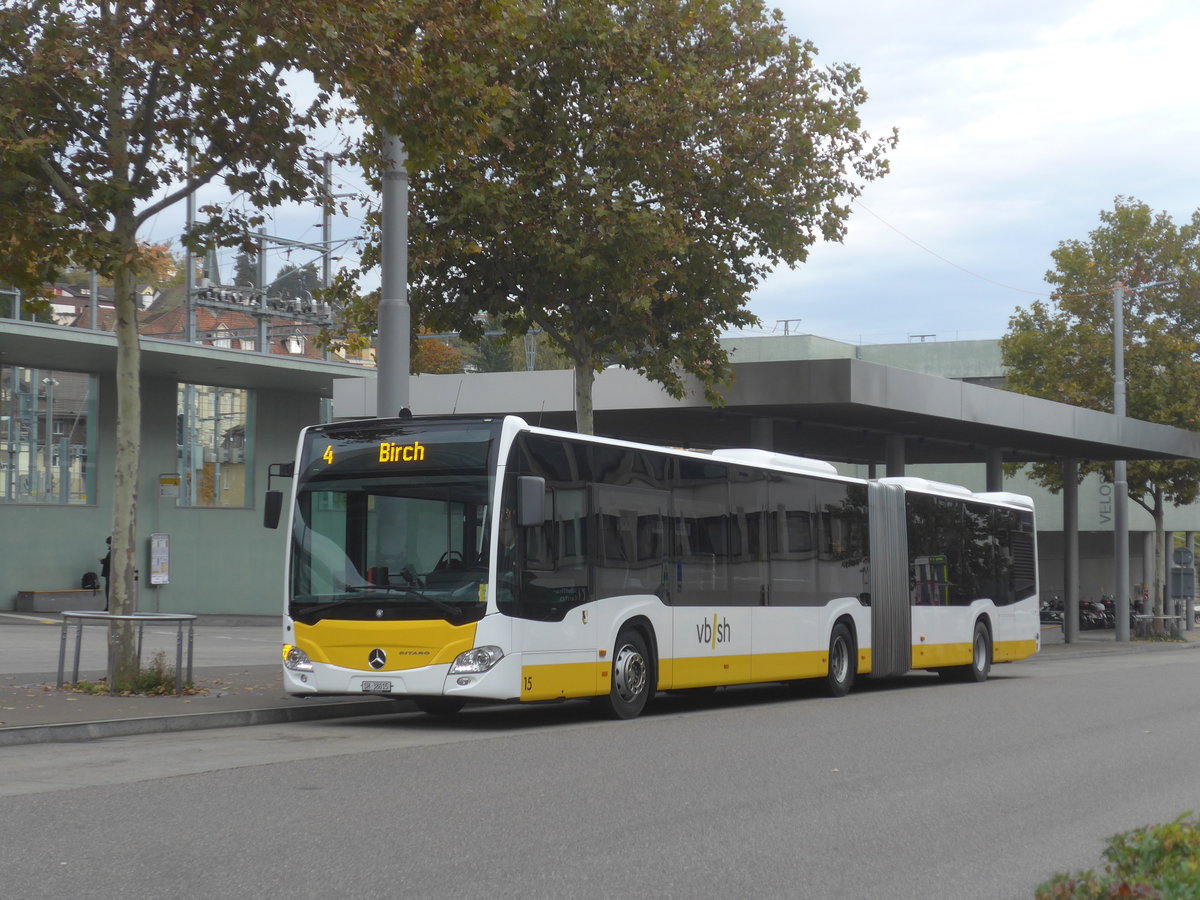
1120	485
392	355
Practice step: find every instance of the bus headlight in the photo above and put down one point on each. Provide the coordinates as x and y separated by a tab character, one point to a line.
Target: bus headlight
296	659
477	660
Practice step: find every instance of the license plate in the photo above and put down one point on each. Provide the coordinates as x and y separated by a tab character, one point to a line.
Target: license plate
377	687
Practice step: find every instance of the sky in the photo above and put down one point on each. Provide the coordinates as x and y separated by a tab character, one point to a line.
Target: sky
1019	122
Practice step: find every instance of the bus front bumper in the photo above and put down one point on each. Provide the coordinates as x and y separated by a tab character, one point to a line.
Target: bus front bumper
501	682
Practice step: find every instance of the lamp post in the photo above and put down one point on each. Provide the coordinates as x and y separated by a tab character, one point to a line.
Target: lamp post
392	355
1120	485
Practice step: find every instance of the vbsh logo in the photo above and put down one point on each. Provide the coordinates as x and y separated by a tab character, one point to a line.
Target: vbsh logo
714	632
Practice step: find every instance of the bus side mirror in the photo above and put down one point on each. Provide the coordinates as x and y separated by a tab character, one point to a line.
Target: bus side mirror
273	504
272	508
531	500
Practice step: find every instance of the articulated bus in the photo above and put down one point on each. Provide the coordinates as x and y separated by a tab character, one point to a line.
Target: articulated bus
447	560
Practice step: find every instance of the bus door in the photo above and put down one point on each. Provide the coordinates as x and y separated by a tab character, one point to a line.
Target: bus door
712	629
555	622
774	636
940	590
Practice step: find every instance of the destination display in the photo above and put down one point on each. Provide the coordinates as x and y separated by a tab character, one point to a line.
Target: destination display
338	451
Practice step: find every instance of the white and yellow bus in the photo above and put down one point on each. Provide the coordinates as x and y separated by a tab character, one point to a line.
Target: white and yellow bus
446	560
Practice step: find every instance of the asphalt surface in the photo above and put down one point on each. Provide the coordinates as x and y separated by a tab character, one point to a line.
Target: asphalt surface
236	678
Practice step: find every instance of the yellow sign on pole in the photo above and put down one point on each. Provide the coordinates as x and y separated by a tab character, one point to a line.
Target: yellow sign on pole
168	485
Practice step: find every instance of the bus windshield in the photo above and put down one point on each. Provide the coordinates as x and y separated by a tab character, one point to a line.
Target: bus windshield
392	528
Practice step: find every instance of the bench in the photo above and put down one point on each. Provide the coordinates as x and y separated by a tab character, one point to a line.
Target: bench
58	601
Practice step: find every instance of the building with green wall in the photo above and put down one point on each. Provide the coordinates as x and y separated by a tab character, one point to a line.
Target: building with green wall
213	420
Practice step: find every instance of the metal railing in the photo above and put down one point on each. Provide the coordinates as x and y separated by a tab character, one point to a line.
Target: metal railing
1146	626
79	617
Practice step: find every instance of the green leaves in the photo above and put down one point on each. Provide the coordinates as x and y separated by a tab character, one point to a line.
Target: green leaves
653	161
1158	861
1063	350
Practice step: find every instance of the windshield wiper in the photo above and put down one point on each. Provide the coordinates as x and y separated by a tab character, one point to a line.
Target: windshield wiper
455	612
317	609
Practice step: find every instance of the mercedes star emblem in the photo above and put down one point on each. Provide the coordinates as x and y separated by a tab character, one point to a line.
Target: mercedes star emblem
377	658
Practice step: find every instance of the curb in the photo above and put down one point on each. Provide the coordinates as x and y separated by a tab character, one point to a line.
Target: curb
19	735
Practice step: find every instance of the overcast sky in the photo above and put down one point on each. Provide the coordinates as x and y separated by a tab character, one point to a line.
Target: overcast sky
1019	122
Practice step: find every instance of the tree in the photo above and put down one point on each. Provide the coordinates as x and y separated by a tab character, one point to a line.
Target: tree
161	267
498	351
1063	350
436	357
103	104
245	268
295	281
658	159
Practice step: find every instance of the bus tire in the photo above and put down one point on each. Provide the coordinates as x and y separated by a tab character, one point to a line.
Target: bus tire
981	653
842	654
439	706
629	685
981	658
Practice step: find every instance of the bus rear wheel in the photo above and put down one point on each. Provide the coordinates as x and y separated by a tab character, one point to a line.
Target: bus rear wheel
629	688
981	654
981	658
841	662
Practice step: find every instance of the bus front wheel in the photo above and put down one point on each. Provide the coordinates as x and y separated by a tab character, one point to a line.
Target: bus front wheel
629	688
841	661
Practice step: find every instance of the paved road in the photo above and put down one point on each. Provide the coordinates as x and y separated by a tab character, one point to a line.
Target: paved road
912	789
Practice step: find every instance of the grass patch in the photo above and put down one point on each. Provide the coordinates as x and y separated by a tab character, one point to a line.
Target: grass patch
1157	862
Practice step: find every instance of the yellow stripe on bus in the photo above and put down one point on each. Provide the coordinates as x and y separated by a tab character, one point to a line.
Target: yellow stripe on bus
933	656
1007	651
564	680
561	680
790	666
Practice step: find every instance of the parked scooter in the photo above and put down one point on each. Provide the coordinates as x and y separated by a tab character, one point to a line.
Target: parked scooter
1052	610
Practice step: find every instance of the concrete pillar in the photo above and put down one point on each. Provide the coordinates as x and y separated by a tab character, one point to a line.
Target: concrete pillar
995	469
1189	601
895	455
1148	570
1071	550
1168	559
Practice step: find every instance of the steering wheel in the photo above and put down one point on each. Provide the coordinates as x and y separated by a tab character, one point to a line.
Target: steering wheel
451	559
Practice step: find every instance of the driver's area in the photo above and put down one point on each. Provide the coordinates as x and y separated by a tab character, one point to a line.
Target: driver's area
417	543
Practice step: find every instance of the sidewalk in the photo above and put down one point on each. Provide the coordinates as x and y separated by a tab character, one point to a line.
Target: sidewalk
1100	642
236	669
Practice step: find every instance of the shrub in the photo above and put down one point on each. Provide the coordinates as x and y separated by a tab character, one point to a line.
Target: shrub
1157	862
155	678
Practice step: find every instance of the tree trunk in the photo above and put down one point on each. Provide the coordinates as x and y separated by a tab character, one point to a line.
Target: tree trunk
127	461
585	379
